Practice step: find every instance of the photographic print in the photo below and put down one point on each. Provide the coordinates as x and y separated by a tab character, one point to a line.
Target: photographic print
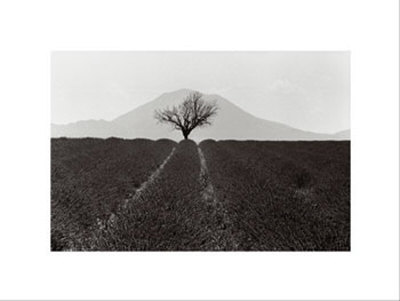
200	151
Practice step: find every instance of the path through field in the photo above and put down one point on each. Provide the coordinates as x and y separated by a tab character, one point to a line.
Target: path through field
143	195
139	193
222	236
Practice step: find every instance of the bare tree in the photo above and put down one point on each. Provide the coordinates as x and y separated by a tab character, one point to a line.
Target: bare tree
193	112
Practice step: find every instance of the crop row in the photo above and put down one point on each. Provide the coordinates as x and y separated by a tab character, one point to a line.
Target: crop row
253	195
283	195
90	178
169	215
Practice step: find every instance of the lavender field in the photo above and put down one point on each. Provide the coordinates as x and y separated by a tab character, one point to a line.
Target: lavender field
144	195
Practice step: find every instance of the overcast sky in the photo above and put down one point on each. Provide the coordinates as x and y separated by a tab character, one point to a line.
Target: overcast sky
306	90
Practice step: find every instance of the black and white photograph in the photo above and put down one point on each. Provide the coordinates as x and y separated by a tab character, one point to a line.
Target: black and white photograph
200	151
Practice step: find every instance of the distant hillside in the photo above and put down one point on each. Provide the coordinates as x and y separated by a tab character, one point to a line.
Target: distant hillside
343	135
230	123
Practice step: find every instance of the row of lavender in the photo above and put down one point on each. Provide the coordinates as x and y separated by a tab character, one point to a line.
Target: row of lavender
245	195
283	195
91	178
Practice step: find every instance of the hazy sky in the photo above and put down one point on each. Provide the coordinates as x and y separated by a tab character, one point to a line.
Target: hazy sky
306	90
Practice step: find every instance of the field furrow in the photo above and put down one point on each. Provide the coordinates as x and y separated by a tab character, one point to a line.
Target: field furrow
89	184
143	195
169	215
220	225
276	201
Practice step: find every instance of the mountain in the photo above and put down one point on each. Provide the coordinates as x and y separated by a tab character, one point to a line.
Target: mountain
231	122
343	135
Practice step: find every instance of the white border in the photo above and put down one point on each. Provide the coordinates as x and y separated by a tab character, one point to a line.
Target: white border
31	29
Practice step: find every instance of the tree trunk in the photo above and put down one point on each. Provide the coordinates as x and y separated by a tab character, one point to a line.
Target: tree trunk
186	133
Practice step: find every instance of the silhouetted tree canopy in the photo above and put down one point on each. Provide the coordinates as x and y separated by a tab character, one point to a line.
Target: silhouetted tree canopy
193	112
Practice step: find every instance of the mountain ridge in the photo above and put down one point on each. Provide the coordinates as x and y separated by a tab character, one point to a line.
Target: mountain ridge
231	122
